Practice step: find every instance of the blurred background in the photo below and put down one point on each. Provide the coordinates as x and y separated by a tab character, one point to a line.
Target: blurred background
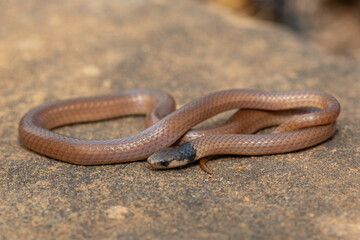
333	24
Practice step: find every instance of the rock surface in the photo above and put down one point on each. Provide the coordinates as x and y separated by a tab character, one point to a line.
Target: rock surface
59	49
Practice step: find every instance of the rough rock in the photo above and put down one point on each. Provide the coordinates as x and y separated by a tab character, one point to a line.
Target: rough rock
53	50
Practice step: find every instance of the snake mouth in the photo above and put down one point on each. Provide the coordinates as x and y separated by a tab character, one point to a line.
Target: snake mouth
173	157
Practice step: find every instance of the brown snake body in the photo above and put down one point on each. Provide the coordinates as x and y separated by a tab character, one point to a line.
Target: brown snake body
297	129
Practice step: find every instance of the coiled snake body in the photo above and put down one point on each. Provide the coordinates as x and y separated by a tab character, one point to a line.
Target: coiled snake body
299	126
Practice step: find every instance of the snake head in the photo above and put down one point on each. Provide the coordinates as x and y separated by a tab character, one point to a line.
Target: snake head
173	157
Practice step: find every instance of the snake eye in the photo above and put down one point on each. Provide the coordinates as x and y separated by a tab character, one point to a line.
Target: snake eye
164	163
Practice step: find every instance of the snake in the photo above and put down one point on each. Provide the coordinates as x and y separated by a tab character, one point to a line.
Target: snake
302	118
